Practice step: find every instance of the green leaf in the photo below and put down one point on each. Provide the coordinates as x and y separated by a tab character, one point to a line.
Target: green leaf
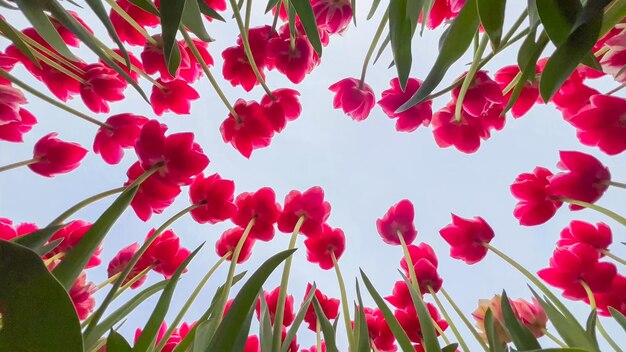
36	312
613	15
208	11
98	9
37	239
14	37
400	34
293	330
456	42
568	328
353	4
171	16
494	341
117	343
206	318
121	313
428	6
192	19
450	348
527	58
558	17
362	333
244	331
619	317
202	336
327	328
226	335
491	13
570	53
76	258
307	17
265	328
533	14
394	326
520	335
382	48
34	13
148	335
427	326
48	247
271	4
375	4
69	22
146	5
591	325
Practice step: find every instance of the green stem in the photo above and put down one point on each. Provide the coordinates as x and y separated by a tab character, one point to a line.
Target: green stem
190	300
231	272
344	302
599	327
129	267
33	43
246	47
469	77
318	336
532	279
614	257
207	72
47	99
66	214
554	339
107	281
515	27
19	164
275	20
467	323
370	51
284	282
456	332
248	13
617	184
134	279
58	67
605	211
120	11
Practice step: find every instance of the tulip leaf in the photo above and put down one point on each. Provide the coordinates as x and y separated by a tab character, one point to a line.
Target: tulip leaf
293	330
450	348
271	4
327	328
34	13
76	258
36	313
208	11
568	328
171	15
591	325
491	13
494	341
373	9
146	5
148	335
427	326
619	317
394	325
361	332
522	338
14	37
244	331
613	15
98	9
457	40
121	313
428	6
37	239
401	29
117	343
558	17
307	17
226	335
202	336
192	19
69	22
265	328
571	52
206	320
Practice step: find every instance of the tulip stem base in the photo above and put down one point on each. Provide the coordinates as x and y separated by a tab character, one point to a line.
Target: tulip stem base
455	331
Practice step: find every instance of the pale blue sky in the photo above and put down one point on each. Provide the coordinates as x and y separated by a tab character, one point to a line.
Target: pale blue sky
363	167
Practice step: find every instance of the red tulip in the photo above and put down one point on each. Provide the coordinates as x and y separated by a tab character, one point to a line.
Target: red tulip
250	130
321	247
272	302
154	194
14	131
214	196
55	156
101	85
295	62
601	123
598	236
260	206
467	237
527	97
482	94
536	204
398	221
410	322
121	132
121	260
310	205
355	98
415	116
330	307
165	253
175	96
70	235
282	108
228	242
584	178
81	294
379	331
332	16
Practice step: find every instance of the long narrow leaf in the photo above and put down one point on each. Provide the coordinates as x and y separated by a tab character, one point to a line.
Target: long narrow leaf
226	335
192	19
619	317
400	34
122	312
327	328
293	330
208	11
427	326
307	17
394	325
98	9
171	16
13	36
491	13
520	335
375	4
37	239
117	343
362	333
75	259
456	42
494	341
150	330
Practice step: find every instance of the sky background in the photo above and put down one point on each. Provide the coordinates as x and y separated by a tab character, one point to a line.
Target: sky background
363	167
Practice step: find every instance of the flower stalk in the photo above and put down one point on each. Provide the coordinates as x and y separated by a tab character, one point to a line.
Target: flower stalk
469	77
344	302
19	164
455	331
466	321
599	327
370	51
613	215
